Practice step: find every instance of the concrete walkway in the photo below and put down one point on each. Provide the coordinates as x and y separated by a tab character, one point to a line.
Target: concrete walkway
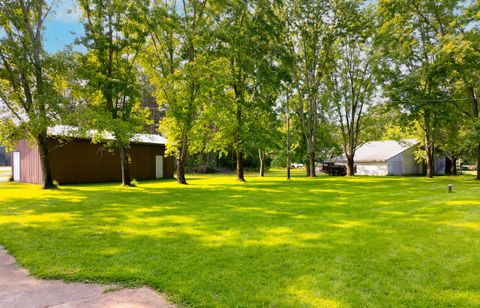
19	289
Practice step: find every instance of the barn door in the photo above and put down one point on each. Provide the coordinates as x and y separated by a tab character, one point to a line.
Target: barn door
159	166
16	166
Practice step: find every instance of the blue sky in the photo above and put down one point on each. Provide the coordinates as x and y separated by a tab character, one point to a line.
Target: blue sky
63	25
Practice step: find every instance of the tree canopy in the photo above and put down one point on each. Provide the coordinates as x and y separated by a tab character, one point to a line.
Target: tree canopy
222	72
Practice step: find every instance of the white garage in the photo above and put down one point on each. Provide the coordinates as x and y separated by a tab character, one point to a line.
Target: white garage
388	157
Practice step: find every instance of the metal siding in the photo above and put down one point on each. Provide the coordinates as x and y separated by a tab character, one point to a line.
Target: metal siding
80	161
30	171
395	167
407	159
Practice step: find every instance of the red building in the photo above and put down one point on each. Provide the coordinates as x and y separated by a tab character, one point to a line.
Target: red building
77	160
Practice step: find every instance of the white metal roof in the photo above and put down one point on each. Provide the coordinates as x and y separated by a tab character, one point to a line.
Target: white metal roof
73	132
380	151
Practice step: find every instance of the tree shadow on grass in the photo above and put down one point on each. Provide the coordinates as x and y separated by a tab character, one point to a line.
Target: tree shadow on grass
306	243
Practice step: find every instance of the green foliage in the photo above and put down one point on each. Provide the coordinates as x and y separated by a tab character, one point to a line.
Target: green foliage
311	36
469	139
326	147
114	36
181	66
10	133
250	35
219	70
353	81
30	98
385	122
417	37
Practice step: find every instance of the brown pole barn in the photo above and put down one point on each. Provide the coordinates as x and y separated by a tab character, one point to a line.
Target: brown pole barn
78	160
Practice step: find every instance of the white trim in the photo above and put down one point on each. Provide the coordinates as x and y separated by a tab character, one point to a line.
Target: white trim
16	165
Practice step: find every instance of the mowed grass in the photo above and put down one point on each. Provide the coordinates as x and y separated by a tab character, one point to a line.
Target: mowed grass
329	241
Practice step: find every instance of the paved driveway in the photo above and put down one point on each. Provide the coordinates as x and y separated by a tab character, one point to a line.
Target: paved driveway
19	289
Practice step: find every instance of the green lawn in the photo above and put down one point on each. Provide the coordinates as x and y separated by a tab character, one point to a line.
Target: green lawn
329	241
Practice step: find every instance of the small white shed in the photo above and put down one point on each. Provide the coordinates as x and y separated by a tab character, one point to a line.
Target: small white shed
388	157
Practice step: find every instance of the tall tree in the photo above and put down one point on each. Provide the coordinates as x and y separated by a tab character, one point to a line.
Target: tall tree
287	118
115	32
460	37
28	95
180	65
250	34
352	83
312	36
411	34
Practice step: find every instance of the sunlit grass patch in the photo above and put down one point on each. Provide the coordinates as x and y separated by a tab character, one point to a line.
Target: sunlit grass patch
329	241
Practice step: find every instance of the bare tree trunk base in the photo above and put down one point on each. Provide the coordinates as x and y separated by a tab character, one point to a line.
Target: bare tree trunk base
261	156
47	180
181	180
311	164
49	186
350	166
126	180
181	172
240	172
429	163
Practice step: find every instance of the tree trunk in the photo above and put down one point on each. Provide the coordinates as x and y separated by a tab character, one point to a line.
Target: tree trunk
261	156
429	161
288	138
478	163
350	166
126	180
454	166
181	159
473	102
47	180
428	145
181	171
240	173
475	114
307	168
311	163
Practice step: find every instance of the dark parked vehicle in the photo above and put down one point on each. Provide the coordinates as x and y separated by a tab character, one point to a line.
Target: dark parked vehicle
335	170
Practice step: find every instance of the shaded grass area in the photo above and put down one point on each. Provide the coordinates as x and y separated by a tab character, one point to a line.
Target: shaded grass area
329	241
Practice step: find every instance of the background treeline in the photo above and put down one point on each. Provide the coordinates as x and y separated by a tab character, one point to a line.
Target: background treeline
233	78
